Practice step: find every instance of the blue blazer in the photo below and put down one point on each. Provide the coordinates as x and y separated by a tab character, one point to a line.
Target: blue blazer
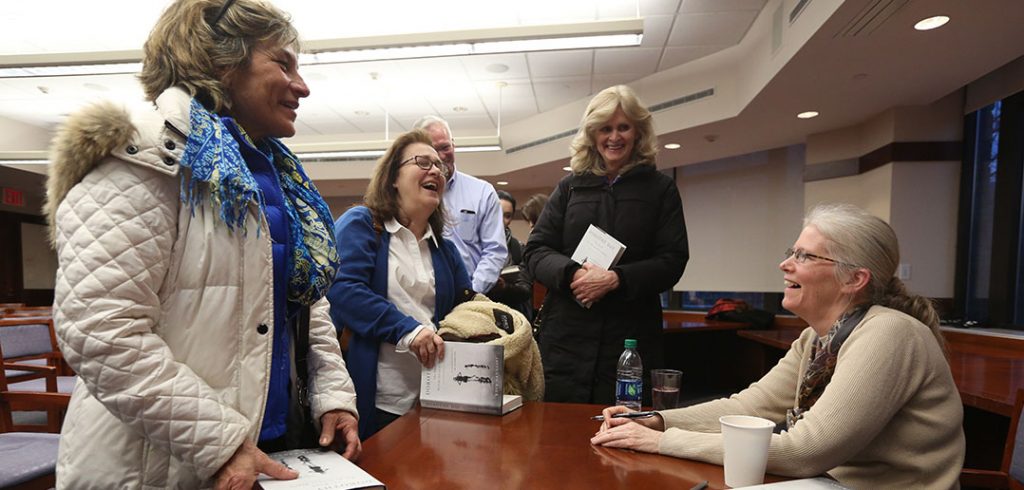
359	301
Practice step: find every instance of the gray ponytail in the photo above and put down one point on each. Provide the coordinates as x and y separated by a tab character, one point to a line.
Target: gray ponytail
896	296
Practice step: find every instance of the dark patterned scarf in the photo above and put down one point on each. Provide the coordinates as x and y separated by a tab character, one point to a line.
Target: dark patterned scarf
214	158
823	362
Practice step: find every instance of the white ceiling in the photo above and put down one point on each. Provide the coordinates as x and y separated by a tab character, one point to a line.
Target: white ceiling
354	101
688	45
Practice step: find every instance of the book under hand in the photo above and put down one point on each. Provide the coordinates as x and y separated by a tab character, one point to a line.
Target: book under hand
468	379
319	470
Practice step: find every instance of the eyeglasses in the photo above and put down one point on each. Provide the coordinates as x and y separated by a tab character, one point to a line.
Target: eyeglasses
800	257
424	162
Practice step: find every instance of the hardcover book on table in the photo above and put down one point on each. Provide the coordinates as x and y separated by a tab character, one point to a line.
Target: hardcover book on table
469	379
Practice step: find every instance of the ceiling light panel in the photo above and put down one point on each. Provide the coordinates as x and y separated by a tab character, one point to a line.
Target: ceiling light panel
931	23
88	26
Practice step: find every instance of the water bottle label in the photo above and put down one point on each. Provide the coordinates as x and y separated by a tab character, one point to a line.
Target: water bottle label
628	390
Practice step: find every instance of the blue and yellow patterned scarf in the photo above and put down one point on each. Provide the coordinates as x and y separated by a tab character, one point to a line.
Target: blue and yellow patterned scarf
215	161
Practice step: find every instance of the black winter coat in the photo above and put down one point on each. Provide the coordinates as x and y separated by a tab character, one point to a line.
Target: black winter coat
580	347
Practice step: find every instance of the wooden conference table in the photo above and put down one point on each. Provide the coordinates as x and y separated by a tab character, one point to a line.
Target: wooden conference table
539	446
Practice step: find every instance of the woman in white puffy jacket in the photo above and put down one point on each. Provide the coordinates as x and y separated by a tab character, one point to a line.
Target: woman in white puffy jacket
194	254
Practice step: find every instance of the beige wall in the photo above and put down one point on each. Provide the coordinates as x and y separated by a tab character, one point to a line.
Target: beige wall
741	214
870	190
18	136
39	261
925	202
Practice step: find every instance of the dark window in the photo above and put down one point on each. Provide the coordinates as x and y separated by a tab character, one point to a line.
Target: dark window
990	282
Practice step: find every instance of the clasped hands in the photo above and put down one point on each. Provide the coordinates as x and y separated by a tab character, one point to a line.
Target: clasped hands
590	283
637	434
242	469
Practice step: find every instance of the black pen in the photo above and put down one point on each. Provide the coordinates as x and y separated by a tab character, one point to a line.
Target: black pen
700	486
626	415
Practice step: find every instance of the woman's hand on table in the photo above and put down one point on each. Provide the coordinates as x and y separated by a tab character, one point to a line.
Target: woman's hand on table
340	422
590	283
643	434
428	347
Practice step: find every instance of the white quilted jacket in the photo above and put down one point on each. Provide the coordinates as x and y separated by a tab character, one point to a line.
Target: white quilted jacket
162	311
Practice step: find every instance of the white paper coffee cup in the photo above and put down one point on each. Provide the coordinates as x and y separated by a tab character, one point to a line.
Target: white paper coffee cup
745	441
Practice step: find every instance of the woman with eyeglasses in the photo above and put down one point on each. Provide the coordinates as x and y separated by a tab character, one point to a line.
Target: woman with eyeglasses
865	394
398	278
194	256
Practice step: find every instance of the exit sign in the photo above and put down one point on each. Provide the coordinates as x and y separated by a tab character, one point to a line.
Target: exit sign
13	197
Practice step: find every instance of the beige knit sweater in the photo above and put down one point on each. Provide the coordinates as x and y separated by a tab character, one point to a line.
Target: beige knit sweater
890	418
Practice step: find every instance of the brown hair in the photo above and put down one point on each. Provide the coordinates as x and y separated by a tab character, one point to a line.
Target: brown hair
185	49
381	196
585	157
533	206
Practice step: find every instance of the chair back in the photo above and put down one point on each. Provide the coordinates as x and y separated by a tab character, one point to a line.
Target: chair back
25	339
1013	455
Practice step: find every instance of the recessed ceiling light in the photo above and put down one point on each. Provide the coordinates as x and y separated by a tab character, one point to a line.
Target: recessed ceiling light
460	108
497	68
931	23
672	146
502	182
807	114
362	113
567	169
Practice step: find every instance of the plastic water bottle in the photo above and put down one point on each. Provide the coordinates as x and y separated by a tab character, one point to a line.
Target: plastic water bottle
629	380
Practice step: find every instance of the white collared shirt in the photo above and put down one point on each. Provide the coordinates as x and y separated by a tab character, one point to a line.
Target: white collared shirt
411	290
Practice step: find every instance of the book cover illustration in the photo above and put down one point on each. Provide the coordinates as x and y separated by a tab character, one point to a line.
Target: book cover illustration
469	378
319	470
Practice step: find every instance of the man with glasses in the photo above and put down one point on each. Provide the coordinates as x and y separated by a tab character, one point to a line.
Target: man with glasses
475	225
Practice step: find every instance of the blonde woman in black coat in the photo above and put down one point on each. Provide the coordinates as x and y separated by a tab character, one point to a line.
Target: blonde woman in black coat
590	311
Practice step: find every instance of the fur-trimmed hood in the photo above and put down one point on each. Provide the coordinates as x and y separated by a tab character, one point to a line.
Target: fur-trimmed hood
153	138
86	138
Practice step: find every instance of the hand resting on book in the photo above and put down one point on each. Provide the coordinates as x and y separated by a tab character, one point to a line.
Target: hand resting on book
591	283
428	347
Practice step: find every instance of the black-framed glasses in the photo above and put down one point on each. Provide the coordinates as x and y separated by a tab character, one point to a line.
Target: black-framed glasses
424	162
800	256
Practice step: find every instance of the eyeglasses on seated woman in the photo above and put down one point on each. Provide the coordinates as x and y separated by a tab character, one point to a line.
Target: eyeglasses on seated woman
866	385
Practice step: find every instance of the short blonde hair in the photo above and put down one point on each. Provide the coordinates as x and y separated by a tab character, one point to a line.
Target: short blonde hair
189	47
381	196
585	157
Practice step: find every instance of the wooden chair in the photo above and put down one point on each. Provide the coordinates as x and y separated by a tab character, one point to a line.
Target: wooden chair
34	383
6	308
1011	473
32	340
24	311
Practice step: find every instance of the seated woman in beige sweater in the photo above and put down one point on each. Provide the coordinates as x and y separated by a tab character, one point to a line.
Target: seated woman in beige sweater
864	395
